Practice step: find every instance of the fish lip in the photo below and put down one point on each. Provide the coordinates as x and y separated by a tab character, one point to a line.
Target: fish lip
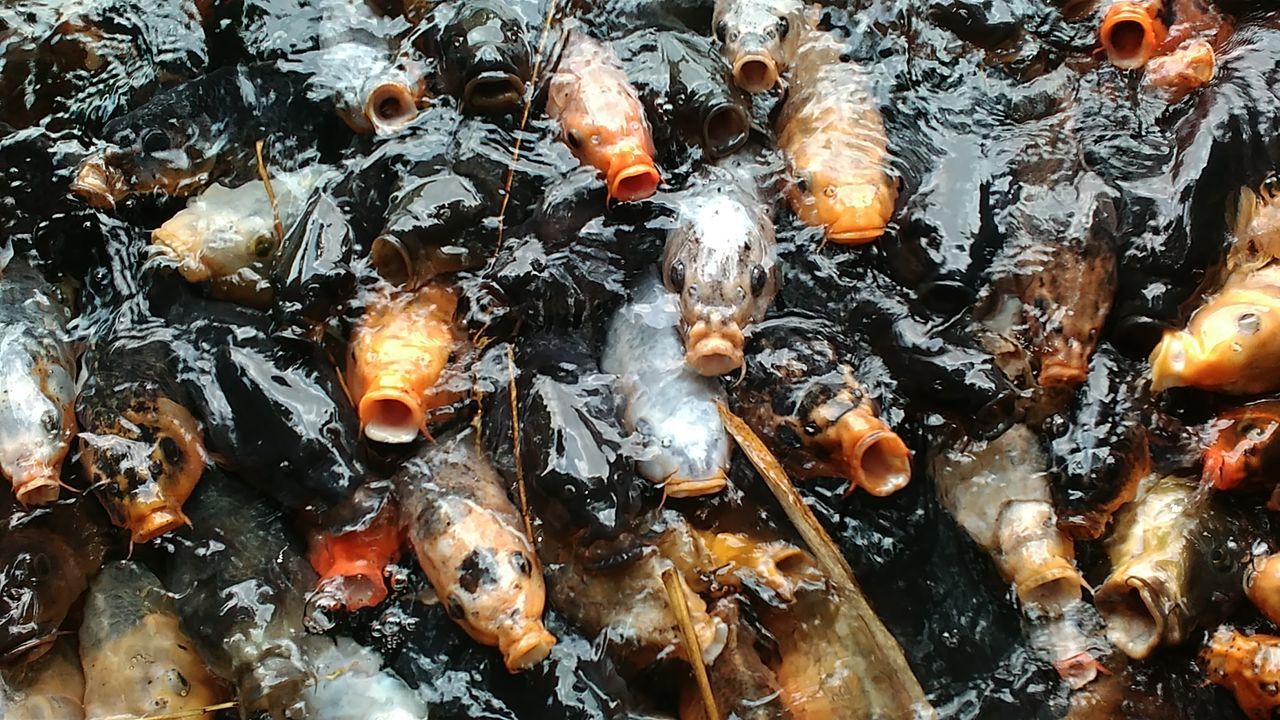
389	107
407	421
32	649
392	259
1125	23
860	236
1136	612
167	242
1169	360
98	184
156	523
507	91
531	648
38	485
677	486
725	128
896	458
1218	473
635	181
755	72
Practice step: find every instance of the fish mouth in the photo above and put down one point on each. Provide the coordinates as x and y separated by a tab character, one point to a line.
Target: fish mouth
1131	34
683	487
755	72
1056	585
37	485
1057	372
876	459
155	523
529	649
859	236
391	415
493	91
714	355
389	107
98	184
176	245
725	129
1170	359
1136	611
29	650
633	180
392	259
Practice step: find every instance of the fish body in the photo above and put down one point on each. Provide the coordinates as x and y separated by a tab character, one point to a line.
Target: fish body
351	561
743	685
136	660
759	38
834	139
1243	448
398	352
1231	343
238	584
229	236
470	542
1177	560
47	557
37	384
1098	448
1248	666
51	688
139	444
999	493
601	117
1262	585
351	684
801	393
672	407
484	54
721	259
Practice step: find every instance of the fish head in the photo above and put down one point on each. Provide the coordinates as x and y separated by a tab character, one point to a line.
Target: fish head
619	145
720	262
688	458
209	243
854	211
390	102
759	40
1132	32
486	57
149	154
498	599
145	465
1224	344
1064	306
1242	440
39	582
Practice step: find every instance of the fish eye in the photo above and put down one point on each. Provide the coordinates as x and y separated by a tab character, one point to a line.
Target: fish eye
177	682
1220	558
454	607
676	275
758	279
784	27
457	41
169	448
264	246
41	567
1249	323
155	140
574	138
1255	432
522	563
1271	186
802	184
722	29
811	429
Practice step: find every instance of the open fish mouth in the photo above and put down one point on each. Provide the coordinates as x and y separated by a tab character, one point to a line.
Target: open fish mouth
389	107
493	91
725	128
1131	34
99	185
29	650
755	72
1136	611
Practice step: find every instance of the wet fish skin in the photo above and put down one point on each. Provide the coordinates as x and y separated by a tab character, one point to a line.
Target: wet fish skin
801	392
51	688
351	561
37	384
721	258
238	583
602	119
312	275
139	444
47	557
351	684
1177	562
671	406
834	139
1262	585
744	686
484	54
1243	447
136	659
471	544
1098	447
1248	666
759	38
421	236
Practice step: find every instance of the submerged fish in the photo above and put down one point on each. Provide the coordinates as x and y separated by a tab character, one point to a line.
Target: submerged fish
351	684
1177	561
470	542
229	236
743	685
139	444
1243	448
1248	666
759	38
397	354
802	394
834	139
1231	343
672	407
483	52
601	117
721	259
51	688
47	557
238	583
37	384
424	224
137	661
351	561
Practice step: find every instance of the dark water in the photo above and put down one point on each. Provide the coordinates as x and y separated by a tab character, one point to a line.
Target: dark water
1005	128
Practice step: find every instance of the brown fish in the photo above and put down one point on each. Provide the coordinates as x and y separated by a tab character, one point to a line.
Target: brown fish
51	688
1243	447
744	686
601	117
1248	666
759	39
471	544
